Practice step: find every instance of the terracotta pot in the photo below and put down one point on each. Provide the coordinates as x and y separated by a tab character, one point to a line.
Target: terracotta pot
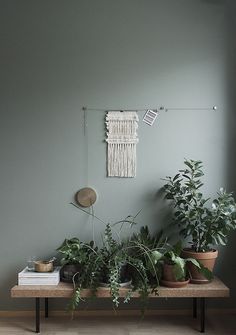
207	259
169	279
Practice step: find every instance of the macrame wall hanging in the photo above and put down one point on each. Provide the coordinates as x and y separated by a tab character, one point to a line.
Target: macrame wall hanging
122	135
121	143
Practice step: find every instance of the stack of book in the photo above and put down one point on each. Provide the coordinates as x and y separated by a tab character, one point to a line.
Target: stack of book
28	277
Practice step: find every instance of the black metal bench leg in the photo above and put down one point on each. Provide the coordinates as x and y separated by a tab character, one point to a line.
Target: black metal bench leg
202	302
194	308
46	307
37	315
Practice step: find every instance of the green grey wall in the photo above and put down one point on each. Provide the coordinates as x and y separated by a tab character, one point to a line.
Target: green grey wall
57	56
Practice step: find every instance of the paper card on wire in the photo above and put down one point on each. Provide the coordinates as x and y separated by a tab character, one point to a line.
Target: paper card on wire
150	116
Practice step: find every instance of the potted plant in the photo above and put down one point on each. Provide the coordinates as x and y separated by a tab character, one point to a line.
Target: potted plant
130	261
174	269
117	263
142	245
206	226
113	258
75	256
109	267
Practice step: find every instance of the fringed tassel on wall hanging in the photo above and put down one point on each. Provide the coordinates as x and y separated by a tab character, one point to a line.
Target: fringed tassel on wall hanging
122	140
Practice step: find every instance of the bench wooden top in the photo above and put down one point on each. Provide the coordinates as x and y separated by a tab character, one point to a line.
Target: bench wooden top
214	289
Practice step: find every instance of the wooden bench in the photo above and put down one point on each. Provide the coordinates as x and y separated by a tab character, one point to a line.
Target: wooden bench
215	289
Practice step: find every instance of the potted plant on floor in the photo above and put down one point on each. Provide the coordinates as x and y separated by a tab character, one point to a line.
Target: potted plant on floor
206	226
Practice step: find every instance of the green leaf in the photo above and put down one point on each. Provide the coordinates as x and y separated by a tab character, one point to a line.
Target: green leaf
156	256
186	176
176	177
220	239
198	174
193	261
179	268
177	248
189	164
206	272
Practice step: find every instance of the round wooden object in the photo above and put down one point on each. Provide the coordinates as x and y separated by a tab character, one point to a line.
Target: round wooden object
86	197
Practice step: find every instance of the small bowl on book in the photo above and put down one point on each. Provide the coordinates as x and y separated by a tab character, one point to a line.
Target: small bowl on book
43	266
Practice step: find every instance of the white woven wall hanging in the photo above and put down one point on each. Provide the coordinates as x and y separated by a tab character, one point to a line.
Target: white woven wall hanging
122	139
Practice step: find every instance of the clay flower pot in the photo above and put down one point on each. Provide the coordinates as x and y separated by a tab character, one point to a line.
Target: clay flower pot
207	259
168	277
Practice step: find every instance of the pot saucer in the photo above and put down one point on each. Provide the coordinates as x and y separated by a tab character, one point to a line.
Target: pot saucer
175	284
199	281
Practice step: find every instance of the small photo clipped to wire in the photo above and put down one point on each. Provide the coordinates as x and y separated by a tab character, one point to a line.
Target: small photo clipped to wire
150	116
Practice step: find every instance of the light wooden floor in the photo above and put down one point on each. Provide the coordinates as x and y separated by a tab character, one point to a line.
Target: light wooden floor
120	325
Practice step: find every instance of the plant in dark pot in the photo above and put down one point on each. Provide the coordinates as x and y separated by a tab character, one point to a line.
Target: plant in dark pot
205	225
75	256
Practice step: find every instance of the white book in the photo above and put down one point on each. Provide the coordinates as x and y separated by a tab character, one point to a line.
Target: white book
42	281
26	277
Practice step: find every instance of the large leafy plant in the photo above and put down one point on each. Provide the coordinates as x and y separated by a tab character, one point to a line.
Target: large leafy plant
205	225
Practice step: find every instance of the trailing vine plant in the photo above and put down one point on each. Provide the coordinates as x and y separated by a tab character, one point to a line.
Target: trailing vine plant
116	261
